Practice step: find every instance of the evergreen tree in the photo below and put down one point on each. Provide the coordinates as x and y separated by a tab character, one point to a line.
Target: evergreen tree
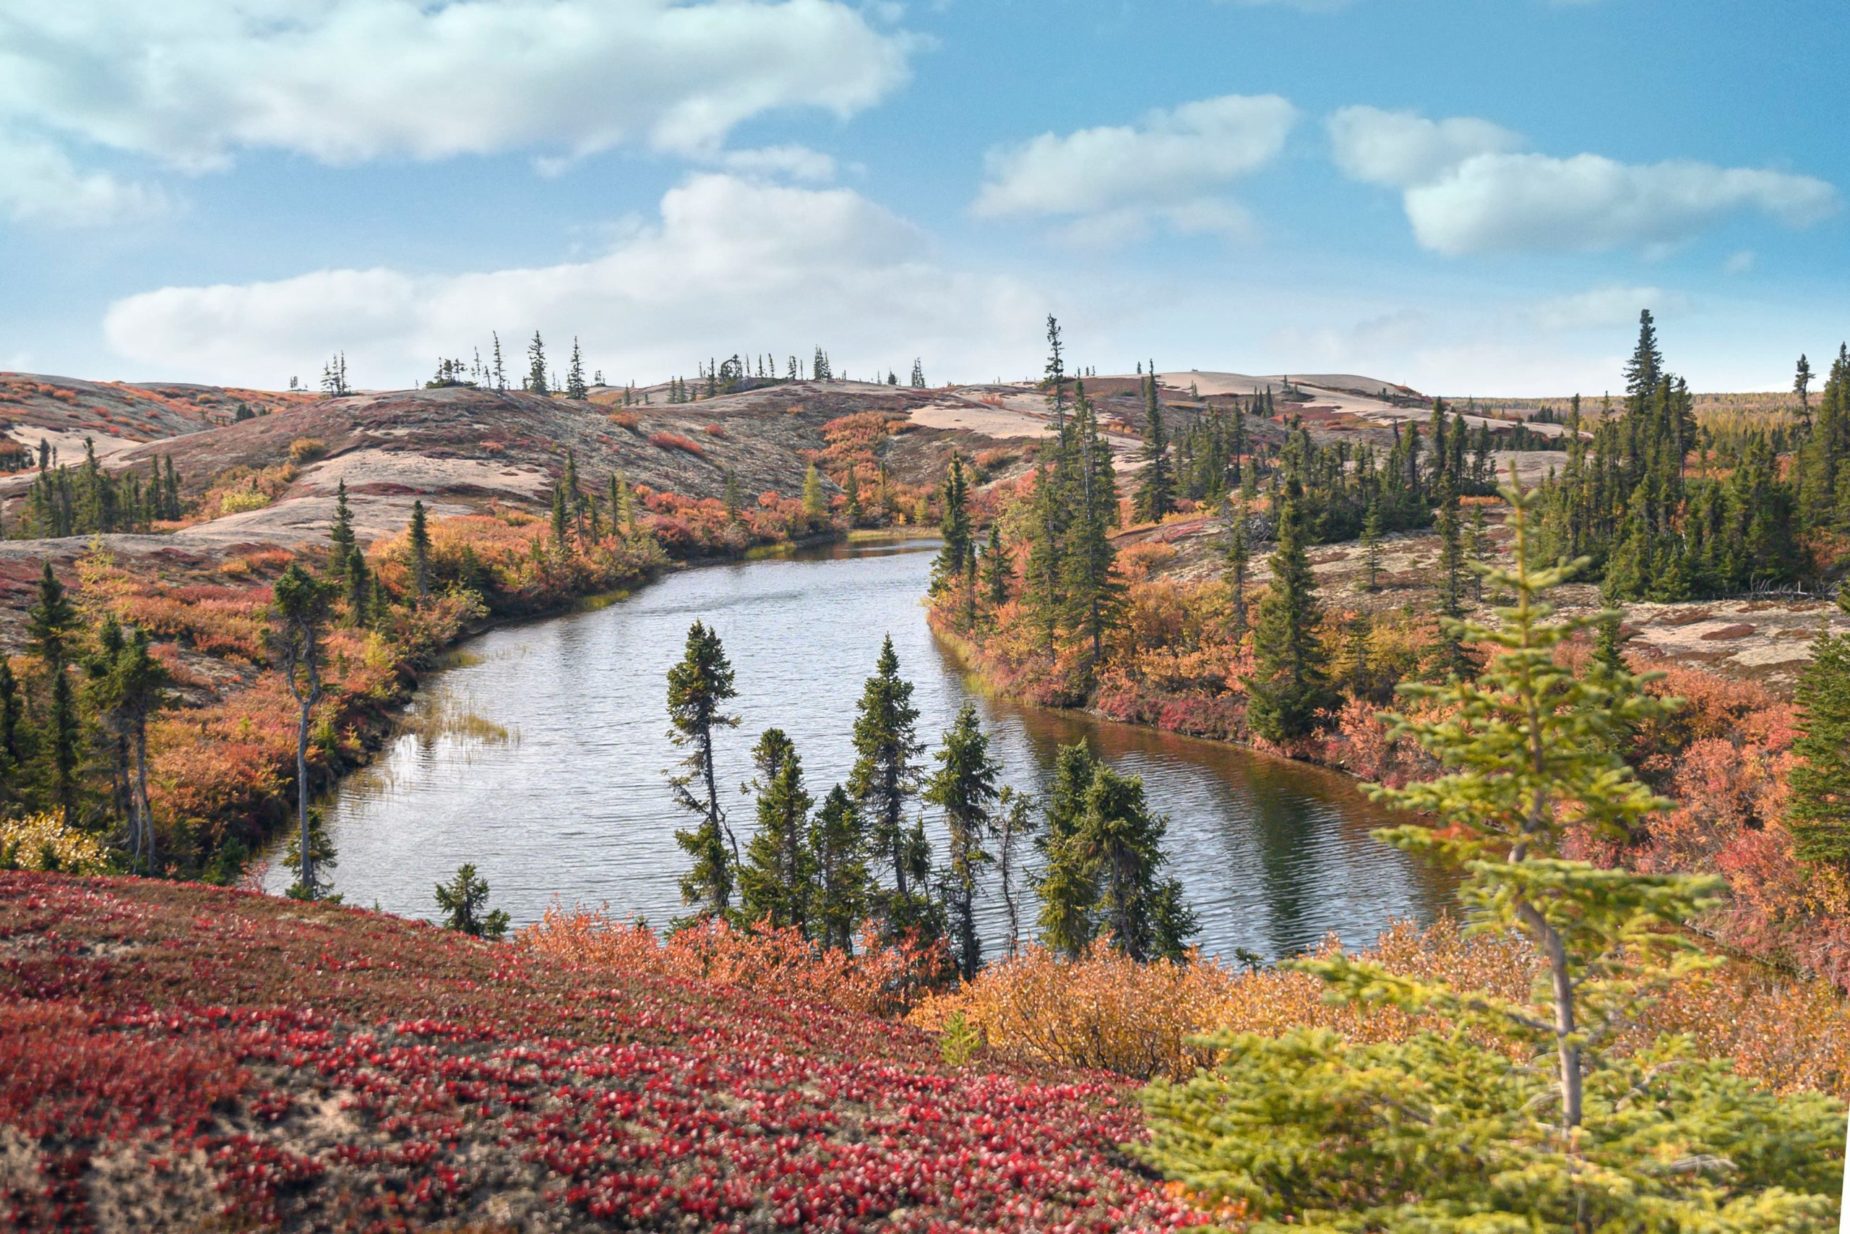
777	882
575	387
1371	549
299	612
1104	859
1239	561
12	753
953	561
360	589
51	628
1093	590
964	788
884	777
918	374
1289	686
851	507
536	366
419	542
698	689
500	370
340	532
464	904
1820	812
1441	1130
1014	822
1453	657
734	501
997	570
128	686
843	890
1156	492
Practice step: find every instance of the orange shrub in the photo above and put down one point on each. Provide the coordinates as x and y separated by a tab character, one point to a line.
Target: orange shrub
623	419
882	979
675	441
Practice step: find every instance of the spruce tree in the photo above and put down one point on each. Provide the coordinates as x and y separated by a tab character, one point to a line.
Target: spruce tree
51	628
954	557
464	904
1239	561
1441	1130
1067	885
418	540
815	504
1820	811
340	532
698	689
777	882
1093	590
884	777
300	609
1289	686
1156	491
536	366
843	891
1014	823
575	387
964	788
500	370
1371	548
997	570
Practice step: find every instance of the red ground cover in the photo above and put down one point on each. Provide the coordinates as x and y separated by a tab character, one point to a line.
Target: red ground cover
176	1057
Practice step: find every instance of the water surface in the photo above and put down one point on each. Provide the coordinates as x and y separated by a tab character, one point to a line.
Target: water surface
573	804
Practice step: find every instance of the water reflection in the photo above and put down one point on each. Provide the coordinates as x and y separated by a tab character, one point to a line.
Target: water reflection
572	803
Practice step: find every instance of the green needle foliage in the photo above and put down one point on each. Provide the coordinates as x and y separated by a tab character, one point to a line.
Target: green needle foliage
1525	1116
463	900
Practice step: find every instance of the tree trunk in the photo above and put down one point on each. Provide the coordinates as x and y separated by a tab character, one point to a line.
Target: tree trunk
301	786
141	789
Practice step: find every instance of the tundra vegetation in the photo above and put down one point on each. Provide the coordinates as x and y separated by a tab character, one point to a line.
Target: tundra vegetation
1573	1058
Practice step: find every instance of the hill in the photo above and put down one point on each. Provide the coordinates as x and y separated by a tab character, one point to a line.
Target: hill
179	1057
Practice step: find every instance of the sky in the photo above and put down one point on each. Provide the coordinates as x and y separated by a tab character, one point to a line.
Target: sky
1471	197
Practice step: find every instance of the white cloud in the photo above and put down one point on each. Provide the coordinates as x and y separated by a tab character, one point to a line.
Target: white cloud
1602	308
1739	262
190	83
39	184
1504	202
796	162
1467	189
732	263
1402	148
1118	180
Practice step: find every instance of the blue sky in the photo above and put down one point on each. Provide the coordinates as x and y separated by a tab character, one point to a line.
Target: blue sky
1470	196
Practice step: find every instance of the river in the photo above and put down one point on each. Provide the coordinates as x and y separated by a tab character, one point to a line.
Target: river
569	801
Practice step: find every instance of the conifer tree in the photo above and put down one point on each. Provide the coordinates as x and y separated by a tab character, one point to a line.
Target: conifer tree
1014	823
1371	548
536	366
1239	561
815	504
843	889
299	611
1289	686
1156	491
996	569
340	532
1441	1130
1093	590
575	387
1820	812
1452	655
419	542
851	489
959	549
777	882
884	777
464	904
699	688
1104	857
733	500
51	627
360	589
918	374
964	788
12	755
561	541
500	370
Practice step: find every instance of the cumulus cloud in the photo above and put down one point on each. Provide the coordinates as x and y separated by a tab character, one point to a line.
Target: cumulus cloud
732	263
189	83
1468	188
1402	148
1116	181
40	184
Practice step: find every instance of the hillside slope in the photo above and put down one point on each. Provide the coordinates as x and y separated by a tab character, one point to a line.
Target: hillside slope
179	1057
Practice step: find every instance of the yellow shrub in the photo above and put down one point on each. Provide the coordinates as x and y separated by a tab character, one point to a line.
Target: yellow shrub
239	501
1100	1011
43	842
307	449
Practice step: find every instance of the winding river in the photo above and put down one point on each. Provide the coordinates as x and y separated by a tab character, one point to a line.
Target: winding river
568	801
